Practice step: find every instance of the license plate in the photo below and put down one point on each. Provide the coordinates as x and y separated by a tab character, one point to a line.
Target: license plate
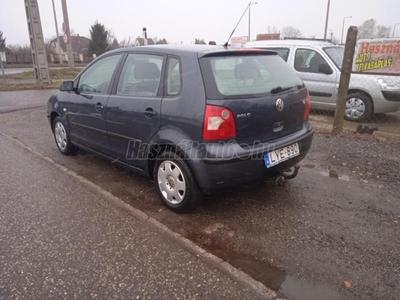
277	156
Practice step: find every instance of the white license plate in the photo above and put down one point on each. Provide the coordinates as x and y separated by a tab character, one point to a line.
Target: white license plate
277	156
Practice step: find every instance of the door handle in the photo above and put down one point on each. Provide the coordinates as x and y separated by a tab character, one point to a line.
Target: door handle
99	106
149	113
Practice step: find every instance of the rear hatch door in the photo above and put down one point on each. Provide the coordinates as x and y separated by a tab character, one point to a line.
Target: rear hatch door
264	94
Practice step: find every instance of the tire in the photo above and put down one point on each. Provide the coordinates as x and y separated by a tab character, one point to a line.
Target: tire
358	107
61	136
176	183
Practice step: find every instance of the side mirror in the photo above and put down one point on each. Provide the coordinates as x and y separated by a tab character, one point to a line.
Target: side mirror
67	86
325	69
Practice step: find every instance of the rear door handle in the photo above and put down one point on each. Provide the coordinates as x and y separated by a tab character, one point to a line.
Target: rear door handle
99	106
149	113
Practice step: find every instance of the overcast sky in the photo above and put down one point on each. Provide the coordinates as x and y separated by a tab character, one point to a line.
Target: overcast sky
184	20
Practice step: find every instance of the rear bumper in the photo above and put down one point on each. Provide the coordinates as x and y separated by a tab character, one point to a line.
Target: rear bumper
229	164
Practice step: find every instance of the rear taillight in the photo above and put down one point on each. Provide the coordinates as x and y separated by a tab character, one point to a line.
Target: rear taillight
219	123
307	107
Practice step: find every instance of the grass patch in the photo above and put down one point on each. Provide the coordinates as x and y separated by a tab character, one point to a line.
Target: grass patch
65	73
29	86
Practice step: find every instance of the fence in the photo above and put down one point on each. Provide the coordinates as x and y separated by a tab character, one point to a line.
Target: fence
370	83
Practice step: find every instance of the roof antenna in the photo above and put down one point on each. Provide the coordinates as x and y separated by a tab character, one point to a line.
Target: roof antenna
247	7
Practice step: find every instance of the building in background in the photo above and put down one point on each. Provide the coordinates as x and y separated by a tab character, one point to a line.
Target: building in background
143	41
80	46
268	36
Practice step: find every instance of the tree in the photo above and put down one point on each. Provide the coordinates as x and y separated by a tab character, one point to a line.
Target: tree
114	44
291	32
99	39
20	49
382	31
199	42
126	42
162	41
272	29
2	41
369	30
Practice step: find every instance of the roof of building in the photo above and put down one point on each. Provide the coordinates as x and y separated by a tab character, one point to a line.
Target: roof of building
141	41
79	43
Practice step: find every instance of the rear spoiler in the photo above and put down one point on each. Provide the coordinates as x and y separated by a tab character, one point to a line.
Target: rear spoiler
239	51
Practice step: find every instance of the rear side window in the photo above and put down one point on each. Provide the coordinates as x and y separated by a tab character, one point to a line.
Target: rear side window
282	52
174	78
140	76
308	61
244	76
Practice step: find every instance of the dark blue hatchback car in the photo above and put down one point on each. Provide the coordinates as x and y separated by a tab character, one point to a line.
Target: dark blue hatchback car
192	118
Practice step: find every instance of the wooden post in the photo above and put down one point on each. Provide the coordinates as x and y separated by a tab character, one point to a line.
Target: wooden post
349	50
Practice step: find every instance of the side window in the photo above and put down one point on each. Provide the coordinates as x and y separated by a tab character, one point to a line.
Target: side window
174	82
96	79
282	52
140	76
309	61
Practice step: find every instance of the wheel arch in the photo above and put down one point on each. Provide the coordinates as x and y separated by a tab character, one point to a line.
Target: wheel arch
53	115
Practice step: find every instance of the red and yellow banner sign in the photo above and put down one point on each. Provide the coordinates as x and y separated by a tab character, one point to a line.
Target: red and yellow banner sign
377	56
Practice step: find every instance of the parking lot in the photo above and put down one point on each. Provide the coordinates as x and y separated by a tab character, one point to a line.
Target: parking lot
337	222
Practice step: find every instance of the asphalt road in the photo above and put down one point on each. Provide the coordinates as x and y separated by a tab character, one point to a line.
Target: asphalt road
60	240
305	240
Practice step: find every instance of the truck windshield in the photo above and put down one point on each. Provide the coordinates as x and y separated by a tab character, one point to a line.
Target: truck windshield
246	76
336	55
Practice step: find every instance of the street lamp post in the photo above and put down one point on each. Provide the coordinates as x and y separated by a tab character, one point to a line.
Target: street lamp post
394	28
60	60
250	4
344	19
326	20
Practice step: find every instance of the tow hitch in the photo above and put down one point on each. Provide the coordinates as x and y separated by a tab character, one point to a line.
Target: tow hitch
287	174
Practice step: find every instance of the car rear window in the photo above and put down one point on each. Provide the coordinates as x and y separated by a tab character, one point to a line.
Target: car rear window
246	76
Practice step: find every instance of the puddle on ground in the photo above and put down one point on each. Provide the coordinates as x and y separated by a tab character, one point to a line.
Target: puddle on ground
271	276
333	174
277	279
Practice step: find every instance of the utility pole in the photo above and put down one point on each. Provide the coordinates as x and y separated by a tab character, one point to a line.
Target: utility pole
250	4
327	18
39	58
249	22
60	60
68	33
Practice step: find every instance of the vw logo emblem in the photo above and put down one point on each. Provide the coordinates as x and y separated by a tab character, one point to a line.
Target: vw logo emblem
280	104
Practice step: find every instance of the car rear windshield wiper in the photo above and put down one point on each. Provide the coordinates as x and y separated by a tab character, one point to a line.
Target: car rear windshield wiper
280	89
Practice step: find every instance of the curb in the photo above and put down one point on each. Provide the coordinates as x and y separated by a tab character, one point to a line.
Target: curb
194	249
